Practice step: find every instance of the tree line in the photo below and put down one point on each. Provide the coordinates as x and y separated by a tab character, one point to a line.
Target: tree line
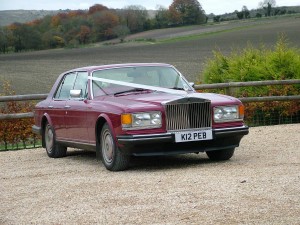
266	8
98	23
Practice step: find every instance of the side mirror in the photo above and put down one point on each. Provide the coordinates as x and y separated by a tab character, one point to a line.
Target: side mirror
75	93
192	84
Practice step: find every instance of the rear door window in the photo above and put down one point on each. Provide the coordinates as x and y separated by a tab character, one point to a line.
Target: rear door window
72	81
63	91
81	83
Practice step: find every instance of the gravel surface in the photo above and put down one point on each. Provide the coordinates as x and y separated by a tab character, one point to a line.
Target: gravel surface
259	185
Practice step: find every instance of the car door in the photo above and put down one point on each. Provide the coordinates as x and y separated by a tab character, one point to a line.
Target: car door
94	107
76	110
56	108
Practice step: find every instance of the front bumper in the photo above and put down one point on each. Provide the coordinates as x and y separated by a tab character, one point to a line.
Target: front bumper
164	144
36	130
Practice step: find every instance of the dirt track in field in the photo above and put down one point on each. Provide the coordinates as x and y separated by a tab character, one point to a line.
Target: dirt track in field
35	72
259	185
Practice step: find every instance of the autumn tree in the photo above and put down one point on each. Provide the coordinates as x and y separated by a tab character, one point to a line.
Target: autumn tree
76	13
97	8
84	34
103	24
48	40
267	6
175	17
99	23
56	20
186	12
35	22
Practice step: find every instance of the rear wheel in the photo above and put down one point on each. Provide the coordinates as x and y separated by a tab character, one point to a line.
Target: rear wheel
53	149
112	158
220	155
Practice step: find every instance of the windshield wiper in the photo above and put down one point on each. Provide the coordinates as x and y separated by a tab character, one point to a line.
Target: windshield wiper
130	90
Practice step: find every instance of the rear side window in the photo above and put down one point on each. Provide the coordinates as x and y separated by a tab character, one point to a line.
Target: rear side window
63	91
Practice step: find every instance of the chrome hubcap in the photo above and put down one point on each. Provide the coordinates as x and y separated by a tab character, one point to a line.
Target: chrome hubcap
107	147
49	139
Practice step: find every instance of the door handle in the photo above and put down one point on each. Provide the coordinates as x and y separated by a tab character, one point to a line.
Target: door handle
67	107
50	107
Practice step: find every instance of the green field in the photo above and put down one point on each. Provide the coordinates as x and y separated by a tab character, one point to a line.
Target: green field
186	48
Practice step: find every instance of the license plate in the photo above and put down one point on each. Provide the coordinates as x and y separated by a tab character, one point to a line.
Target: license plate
200	135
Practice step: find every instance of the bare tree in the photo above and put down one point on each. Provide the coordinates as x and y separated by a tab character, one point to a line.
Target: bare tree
134	17
121	31
161	16
267	6
246	13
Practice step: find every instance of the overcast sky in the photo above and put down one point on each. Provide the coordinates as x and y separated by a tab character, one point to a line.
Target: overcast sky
210	6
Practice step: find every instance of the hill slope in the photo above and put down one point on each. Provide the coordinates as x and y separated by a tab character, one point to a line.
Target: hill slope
8	17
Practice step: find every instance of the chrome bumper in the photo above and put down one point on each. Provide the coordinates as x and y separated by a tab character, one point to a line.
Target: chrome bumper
170	137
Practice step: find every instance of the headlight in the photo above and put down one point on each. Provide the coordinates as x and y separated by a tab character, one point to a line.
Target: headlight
228	113
141	120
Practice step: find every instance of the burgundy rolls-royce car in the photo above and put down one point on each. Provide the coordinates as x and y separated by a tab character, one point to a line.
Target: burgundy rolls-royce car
136	109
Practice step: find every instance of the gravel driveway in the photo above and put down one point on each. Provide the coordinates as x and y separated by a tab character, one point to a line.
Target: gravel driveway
259	185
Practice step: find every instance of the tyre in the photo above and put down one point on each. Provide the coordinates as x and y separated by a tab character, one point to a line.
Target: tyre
220	155
112	158
53	149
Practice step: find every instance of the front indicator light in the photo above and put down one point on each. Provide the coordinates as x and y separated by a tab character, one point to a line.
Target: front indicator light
241	111
126	120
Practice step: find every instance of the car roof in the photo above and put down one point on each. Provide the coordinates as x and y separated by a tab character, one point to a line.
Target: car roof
111	66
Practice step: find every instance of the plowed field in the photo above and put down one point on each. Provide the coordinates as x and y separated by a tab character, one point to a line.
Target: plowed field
35	72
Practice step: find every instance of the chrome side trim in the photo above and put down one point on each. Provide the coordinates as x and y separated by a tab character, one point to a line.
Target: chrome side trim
230	128
243	130
81	145
145	137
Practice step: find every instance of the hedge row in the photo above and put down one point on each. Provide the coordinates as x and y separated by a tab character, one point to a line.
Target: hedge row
256	64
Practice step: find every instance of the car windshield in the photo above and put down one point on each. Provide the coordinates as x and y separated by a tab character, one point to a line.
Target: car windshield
157	76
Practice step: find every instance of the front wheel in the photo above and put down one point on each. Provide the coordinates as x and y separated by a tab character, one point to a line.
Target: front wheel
220	155
53	149
112	158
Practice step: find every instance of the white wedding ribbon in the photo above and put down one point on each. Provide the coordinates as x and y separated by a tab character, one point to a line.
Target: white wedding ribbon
142	86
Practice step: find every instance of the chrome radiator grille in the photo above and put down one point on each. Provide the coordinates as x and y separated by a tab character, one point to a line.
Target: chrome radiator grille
182	116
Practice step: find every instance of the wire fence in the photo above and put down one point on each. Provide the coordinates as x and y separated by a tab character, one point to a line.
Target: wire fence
30	143
269	118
